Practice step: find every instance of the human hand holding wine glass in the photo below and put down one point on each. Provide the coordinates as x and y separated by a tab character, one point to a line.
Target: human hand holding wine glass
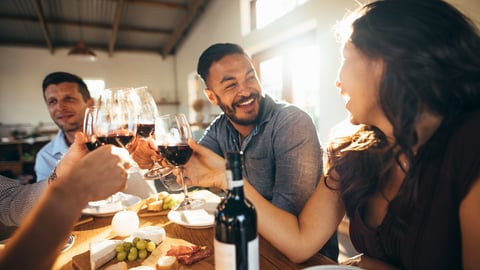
172	133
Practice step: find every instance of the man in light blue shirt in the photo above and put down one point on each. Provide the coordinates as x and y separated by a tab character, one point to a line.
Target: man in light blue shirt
67	97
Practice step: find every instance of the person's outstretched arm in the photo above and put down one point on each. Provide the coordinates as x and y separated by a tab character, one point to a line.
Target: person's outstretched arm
297	238
95	176
300	237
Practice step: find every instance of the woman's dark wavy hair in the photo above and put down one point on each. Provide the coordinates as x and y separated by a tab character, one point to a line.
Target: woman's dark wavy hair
431	53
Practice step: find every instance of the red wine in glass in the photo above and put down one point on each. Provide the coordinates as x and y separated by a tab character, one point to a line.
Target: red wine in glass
92	145
177	155
117	140
145	130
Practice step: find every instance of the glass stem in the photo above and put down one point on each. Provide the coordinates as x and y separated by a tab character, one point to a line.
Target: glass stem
185	188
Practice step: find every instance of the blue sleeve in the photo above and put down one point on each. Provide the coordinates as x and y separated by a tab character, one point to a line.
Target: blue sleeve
298	160
211	140
43	165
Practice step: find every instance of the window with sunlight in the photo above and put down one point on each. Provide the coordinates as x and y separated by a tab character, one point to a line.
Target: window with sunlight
267	11
271	70
293	76
95	86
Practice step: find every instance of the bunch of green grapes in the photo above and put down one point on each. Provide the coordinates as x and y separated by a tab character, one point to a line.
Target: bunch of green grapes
171	200
137	249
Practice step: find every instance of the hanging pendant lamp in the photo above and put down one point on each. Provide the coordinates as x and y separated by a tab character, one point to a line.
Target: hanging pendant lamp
82	53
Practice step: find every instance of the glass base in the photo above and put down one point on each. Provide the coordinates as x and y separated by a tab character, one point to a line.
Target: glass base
157	172
189	204
69	243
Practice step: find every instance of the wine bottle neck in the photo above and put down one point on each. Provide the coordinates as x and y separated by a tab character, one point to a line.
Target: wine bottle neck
234	180
236	193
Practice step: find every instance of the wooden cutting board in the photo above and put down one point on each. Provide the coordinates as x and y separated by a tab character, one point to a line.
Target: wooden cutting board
82	261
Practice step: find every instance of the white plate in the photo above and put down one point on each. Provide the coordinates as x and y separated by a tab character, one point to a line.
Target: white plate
178	217
119	202
211	201
332	267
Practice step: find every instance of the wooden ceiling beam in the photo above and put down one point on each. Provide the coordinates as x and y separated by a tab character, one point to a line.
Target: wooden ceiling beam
177	33
89	25
116	24
43	26
163	4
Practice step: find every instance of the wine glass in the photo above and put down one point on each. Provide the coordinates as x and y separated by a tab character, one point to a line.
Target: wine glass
89	127
116	121
172	132
147	112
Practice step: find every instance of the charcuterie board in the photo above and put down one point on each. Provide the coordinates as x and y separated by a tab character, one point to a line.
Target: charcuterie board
82	261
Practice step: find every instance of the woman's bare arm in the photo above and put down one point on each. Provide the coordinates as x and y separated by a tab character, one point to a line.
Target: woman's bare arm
301	237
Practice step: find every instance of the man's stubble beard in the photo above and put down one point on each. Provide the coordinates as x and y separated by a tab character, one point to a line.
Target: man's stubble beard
230	110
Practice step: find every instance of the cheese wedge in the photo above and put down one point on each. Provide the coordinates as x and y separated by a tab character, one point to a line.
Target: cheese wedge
197	216
155	206
153	233
101	252
167	263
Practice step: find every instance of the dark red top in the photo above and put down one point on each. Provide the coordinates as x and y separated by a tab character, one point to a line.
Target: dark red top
449	164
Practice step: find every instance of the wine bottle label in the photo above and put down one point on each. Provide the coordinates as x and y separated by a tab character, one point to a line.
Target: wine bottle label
225	255
232	183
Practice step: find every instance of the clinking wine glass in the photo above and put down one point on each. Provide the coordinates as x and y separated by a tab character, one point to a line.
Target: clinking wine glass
89	127
116	122
147	111
172	132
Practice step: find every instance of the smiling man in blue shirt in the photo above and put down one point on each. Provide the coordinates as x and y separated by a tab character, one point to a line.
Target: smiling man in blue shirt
281	150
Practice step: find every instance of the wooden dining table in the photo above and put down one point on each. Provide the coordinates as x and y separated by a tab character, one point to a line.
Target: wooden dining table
99	228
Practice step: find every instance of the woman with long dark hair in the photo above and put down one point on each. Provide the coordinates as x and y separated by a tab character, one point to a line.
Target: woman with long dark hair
408	178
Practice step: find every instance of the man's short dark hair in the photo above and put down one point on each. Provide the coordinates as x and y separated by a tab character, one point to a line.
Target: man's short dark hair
213	54
61	77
